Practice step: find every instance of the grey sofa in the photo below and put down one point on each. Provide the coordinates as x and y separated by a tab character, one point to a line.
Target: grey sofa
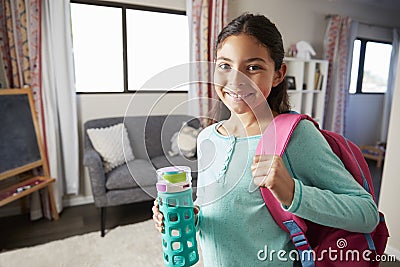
135	180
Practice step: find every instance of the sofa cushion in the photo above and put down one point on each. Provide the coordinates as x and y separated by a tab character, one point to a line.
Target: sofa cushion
138	172
113	145
184	142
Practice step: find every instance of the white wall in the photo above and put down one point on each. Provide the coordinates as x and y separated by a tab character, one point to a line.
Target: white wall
388	200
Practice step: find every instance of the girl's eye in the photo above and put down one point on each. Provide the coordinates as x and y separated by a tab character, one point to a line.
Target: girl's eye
254	67
224	66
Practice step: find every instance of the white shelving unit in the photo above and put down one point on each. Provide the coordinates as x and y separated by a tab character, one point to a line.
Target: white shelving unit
310	78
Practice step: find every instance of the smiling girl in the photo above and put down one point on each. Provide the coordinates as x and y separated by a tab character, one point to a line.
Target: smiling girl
309	180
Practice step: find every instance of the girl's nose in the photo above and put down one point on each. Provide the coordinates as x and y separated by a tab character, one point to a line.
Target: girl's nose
236	80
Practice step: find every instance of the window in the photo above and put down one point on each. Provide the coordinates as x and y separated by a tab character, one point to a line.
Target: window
119	48
97	45
156	42
370	66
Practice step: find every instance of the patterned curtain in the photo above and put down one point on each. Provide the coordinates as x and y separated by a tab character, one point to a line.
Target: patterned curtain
206	18
20	35
336	51
20	44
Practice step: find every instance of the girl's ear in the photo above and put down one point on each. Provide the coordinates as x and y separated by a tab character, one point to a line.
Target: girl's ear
279	75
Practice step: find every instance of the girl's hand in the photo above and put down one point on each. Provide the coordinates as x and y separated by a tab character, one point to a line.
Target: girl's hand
158	217
269	171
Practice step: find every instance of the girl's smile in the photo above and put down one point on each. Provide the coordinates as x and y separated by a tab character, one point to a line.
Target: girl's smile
238	96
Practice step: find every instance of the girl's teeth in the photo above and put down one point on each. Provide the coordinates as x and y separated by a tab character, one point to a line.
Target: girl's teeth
237	95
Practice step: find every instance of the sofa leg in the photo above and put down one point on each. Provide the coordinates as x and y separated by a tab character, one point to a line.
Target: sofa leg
103	221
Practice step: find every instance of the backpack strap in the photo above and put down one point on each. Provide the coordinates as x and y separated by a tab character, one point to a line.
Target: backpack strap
274	142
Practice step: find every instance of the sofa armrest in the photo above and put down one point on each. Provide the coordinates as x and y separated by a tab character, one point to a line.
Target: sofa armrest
92	158
93	162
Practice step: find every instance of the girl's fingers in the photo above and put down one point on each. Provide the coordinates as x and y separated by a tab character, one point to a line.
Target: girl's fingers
155	209
260	181
158	217
159	229
263	164
258	158
261	168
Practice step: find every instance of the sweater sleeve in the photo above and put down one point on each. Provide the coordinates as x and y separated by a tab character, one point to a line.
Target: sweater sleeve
325	192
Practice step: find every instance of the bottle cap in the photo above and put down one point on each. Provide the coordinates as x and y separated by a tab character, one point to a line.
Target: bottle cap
174	179
175	176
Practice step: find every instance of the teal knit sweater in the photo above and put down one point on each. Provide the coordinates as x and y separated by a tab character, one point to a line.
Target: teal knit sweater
234	225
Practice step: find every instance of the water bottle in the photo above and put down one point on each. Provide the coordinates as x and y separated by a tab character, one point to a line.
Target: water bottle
176	203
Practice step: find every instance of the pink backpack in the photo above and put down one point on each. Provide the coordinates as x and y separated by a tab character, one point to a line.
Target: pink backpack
314	242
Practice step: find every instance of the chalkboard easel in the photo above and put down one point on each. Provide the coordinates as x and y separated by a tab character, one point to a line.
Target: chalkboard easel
21	148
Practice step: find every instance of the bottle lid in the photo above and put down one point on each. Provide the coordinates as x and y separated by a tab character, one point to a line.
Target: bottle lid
174	179
175	176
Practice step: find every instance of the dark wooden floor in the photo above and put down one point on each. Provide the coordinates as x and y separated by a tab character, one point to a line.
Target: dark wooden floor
18	231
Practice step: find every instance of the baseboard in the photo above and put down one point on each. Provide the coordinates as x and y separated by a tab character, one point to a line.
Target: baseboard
15	208
393	251
77	200
10	210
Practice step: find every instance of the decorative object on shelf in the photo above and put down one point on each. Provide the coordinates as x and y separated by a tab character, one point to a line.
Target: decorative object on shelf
308	97
291	82
304	50
319	77
292	51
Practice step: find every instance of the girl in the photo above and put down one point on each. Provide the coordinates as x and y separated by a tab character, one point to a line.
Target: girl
235	227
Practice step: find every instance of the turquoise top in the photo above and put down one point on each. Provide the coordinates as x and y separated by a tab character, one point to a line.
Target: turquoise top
234	224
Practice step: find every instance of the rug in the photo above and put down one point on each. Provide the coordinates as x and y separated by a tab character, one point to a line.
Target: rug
137	244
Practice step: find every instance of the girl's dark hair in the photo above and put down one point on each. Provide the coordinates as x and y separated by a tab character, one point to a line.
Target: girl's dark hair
268	35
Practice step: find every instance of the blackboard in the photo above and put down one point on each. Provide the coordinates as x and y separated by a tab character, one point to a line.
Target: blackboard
21	149
19	144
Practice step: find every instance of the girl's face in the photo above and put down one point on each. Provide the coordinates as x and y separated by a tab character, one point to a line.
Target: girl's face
245	73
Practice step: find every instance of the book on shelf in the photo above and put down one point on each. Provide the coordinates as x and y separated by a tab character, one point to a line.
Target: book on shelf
319	77
316	78
320	80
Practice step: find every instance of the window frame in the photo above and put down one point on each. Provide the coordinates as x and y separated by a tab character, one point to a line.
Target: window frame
124	7
360	73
